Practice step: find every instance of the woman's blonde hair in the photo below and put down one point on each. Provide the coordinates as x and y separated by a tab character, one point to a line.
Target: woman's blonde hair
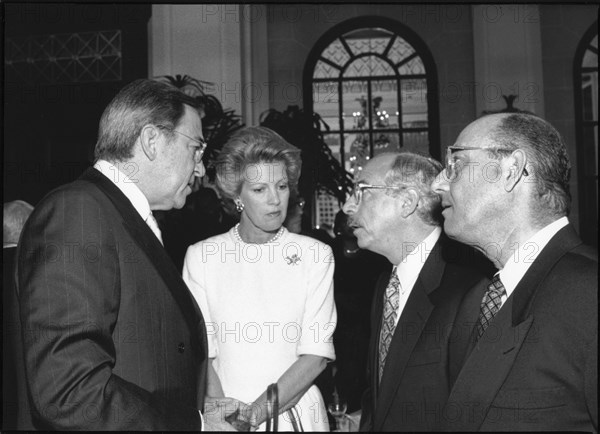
249	146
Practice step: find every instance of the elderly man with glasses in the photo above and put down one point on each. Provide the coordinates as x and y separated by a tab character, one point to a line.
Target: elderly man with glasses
394	213
532	358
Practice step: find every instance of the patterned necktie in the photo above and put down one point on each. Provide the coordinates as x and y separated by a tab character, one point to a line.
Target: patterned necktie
153	224
490	305
390	312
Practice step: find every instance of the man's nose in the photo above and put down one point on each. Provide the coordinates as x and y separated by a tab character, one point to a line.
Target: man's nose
199	169
350	206
440	184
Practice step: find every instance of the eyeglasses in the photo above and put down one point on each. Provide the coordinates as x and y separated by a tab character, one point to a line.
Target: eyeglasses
451	169
198	150
359	187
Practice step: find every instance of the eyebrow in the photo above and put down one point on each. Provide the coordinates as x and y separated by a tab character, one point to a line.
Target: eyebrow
254	183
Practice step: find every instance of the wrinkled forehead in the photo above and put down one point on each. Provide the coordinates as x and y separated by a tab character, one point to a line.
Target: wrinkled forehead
375	170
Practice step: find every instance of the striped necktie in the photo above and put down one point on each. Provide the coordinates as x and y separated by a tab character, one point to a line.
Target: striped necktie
490	305
390	312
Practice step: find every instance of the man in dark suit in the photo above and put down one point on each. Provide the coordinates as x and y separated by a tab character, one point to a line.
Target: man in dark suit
15	214
532	360
394	212
113	339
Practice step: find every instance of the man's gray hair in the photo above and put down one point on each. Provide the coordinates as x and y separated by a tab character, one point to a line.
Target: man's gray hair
418	172
15	215
547	154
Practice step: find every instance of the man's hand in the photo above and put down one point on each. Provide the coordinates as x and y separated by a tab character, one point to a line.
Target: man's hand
215	411
250	413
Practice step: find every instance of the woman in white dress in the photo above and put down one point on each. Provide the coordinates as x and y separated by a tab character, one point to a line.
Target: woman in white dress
266	294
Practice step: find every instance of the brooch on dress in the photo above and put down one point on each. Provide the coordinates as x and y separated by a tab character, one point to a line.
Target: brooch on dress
293	260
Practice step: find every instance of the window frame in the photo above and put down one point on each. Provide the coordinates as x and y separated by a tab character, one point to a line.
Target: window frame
587	188
430	76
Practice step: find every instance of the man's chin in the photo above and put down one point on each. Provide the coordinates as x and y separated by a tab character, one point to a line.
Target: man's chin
360	242
452	231
179	201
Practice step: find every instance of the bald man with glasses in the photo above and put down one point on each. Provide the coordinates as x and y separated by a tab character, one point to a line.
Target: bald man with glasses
532	357
394	212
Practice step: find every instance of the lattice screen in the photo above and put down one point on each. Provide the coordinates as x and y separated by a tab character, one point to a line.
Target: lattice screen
65	58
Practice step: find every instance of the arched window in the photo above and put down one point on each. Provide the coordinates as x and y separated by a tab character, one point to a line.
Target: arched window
586	110
374	83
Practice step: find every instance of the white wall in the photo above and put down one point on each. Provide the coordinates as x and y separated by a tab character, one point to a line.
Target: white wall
508	57
227	45
222	44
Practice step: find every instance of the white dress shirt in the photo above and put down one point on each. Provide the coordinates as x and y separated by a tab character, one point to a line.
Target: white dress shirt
524	255
129	188
409	269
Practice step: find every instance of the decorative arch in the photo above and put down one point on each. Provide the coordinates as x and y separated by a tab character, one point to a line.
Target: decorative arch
374	82
585	70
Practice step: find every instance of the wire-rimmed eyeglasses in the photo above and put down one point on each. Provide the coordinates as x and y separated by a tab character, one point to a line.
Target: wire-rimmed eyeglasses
198	150
451	170
360	187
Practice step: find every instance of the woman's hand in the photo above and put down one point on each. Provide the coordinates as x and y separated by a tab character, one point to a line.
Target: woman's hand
293	384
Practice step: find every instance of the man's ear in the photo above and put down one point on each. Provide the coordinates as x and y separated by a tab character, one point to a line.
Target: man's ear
409	202
148	139
517	163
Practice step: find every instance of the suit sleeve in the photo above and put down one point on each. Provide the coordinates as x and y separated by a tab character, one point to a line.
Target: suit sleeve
69	289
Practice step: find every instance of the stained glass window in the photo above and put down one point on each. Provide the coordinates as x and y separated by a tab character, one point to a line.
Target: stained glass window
370	85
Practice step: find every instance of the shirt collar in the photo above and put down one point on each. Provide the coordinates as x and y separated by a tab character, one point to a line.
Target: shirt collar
126	185
409	269
524	254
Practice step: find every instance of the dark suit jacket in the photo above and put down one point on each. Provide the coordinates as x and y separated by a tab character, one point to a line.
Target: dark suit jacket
12	354
113	339
536	366
414	386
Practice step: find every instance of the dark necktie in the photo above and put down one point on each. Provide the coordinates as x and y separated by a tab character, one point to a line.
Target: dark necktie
390	312
490	305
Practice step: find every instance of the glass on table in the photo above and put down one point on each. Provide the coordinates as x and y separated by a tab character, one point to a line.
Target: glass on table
337	408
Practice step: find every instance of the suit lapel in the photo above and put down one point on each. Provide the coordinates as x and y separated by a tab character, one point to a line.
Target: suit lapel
462	336
153	249
376	316
565	240
486	369
408	332
493	356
